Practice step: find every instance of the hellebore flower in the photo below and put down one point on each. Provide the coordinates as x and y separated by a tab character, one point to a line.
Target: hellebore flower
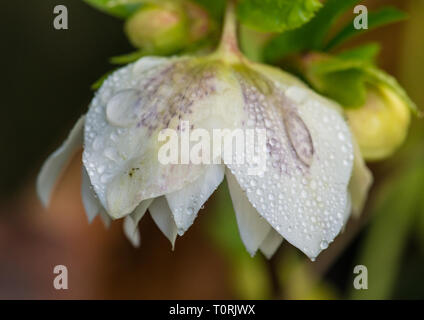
314	173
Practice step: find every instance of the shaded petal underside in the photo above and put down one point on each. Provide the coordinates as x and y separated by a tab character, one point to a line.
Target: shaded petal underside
271	243
89	200
162	216
360	182
252	227
54	165
186	202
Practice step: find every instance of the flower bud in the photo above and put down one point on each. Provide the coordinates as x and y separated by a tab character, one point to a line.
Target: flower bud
200	24
158	28
381	125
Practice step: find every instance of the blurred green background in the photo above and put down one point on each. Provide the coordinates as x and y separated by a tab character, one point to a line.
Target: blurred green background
46	81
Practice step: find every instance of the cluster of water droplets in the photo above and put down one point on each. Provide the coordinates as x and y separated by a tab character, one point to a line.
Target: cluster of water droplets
305	204
108	141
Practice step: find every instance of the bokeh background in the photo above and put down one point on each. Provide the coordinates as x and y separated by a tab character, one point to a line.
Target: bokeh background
45	87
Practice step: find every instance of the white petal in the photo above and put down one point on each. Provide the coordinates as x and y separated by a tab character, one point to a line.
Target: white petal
131	231
252	227
348	209
309	155
271	243
136	216
360	182
105	217
141	209
126	118
186	202
57	161
162	216
89	200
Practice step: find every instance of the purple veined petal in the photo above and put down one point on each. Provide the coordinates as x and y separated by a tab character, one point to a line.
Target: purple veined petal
303	192
132	108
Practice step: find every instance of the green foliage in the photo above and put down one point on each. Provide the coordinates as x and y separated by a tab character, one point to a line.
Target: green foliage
276	15
387	235
318	27
128	58
215	8
367	53
313	35
249	276
125	8
334	84
96	85
375	19
344	77
377	75
120	9
310	36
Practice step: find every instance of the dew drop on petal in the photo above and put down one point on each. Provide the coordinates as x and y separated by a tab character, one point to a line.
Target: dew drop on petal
323	245
121	108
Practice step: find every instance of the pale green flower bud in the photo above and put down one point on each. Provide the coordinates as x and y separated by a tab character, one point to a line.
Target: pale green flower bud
200	24
155	28
381	125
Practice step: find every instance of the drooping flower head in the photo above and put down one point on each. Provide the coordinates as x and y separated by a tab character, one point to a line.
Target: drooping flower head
314	173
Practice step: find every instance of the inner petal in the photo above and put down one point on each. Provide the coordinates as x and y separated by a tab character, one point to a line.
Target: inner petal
186	202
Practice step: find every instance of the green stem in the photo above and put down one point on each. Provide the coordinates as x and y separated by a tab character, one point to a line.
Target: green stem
228	49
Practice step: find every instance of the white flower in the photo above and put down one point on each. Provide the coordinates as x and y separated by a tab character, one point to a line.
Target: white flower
304	196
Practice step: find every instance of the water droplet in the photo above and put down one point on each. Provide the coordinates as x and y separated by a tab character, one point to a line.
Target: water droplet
323	245
120	110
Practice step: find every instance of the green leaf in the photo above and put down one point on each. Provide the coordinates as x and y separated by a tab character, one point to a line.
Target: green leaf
128	58
375	19
385	241
336	64
377	75
346	87
311	35
344	76
340	79
324	20
96	85
285	44
276	15
121	9
215	8
366	53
